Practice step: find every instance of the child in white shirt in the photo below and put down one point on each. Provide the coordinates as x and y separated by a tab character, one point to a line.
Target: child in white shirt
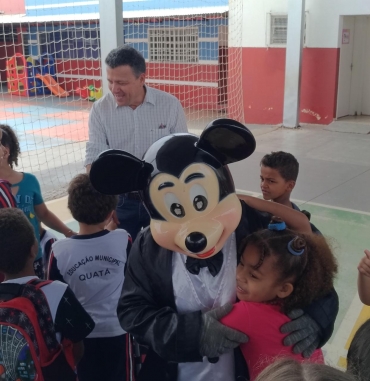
92	263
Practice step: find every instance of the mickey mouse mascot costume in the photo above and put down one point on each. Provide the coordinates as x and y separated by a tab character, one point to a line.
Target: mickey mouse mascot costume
180	278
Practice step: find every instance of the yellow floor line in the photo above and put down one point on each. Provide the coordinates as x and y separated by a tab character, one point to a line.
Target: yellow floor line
362	317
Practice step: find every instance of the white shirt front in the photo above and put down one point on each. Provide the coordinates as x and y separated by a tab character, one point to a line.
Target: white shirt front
134	131
205	292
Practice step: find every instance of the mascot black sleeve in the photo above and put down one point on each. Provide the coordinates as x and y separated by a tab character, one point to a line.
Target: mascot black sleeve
147	308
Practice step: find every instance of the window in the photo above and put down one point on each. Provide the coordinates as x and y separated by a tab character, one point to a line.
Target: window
173	45
26	45
278	29
76	43
91	44
7	34
68	44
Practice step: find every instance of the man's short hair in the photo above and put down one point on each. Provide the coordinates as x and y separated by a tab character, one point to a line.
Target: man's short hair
86	204
126	55
284	162
17	236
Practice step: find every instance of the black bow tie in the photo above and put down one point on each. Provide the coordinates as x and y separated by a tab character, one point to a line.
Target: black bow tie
214	264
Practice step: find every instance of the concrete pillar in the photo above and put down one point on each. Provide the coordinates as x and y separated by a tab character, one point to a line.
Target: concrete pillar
111	32
293	66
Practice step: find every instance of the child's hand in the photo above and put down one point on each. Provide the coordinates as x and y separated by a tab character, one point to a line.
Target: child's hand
364	266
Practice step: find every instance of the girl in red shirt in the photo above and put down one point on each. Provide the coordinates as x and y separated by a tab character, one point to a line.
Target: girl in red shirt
279	271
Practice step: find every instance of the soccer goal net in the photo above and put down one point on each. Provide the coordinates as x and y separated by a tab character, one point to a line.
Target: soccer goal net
50	70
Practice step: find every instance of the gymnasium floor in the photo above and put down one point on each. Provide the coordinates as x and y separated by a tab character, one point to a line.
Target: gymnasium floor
333	184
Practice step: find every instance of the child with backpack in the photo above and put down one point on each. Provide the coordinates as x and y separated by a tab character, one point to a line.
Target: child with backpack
92	263
42	324
27	192
279	271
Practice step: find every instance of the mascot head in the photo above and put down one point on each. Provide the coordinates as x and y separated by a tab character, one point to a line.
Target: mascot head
185	185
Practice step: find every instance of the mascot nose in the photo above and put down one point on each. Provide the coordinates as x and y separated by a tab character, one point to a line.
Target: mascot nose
196	242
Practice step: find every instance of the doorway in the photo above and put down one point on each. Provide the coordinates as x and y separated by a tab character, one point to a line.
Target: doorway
353	97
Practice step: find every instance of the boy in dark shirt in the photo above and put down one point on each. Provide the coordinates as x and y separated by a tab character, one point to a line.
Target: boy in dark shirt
279	172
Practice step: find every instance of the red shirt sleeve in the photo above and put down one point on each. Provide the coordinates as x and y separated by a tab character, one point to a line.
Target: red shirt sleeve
7	199
239	318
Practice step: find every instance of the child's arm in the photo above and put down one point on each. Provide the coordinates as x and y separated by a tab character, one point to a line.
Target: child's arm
363	282
52	221
293	218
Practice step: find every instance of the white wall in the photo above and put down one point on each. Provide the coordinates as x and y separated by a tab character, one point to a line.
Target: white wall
323	20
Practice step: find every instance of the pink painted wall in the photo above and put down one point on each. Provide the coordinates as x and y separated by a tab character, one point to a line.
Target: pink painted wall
12	7
263	85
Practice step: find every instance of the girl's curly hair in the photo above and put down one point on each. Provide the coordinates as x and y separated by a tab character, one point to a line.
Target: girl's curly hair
10	141
311	273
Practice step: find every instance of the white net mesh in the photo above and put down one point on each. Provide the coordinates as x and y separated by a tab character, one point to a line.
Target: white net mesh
51	73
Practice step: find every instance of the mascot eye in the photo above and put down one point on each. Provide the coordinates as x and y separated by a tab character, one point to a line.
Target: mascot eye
177	210
174	206
200	203
198	196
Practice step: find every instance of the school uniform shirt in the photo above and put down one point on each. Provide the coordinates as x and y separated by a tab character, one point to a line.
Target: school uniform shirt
261	323
93	267
7	200
71	321
27	197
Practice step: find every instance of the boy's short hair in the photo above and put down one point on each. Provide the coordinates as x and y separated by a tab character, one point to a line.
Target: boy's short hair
86	204
17	237
284	162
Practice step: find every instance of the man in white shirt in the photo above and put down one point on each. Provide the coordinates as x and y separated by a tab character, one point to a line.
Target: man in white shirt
131	117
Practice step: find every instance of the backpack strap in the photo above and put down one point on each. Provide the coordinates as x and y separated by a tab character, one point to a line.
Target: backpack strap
38	283
32	291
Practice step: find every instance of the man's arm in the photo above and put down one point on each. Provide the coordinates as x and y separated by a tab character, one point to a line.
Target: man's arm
98	141
172	336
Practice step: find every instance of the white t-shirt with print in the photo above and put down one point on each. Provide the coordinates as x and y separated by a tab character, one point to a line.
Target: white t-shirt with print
93	267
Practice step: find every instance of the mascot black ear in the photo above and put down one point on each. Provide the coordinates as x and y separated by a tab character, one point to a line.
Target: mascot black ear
116	172
227	140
